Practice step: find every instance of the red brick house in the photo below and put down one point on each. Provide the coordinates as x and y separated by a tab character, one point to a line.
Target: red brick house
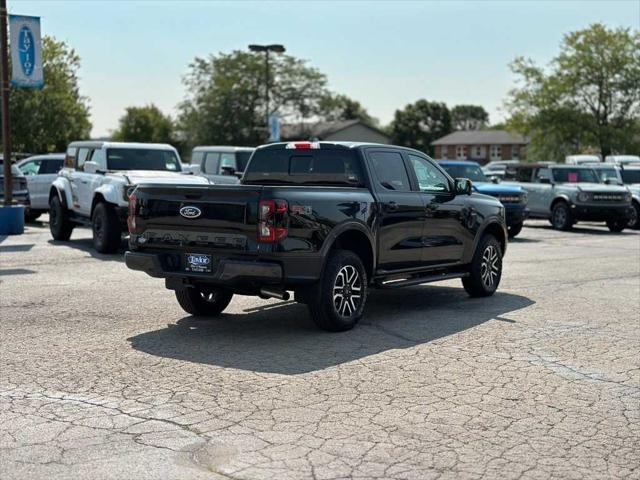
482	146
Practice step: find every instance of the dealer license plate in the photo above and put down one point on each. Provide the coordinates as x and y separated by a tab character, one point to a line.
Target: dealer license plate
198	263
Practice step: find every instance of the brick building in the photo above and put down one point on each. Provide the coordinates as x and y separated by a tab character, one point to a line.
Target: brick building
482	146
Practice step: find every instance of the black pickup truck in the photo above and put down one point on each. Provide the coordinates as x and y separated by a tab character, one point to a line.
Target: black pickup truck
328	221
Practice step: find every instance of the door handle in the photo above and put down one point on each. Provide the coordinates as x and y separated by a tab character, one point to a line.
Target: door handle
84	181
392	206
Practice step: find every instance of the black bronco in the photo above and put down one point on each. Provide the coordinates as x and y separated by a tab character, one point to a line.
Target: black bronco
328	221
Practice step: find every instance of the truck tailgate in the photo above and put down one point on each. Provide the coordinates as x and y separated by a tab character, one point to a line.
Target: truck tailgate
220	217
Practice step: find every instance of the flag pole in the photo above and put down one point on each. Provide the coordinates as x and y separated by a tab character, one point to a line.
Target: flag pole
6	128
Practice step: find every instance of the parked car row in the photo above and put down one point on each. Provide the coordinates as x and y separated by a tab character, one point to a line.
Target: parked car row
329	221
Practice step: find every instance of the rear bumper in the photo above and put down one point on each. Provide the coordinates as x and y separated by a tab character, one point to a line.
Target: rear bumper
600	213
228	272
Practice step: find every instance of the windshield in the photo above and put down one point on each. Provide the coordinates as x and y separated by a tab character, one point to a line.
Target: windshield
142	159
607	173
472	172
242	158
631	176
574	175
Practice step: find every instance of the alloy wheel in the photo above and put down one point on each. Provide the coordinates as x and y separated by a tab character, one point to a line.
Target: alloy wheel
347	291
559	217
489	268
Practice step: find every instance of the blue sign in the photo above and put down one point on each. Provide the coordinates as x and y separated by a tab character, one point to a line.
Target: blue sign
26	51
274	128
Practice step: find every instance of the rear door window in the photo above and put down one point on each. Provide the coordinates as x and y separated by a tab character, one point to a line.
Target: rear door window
390	170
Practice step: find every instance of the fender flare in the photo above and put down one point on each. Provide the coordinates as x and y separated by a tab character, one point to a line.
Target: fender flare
62	188
493	220
560	197
345	227
109	192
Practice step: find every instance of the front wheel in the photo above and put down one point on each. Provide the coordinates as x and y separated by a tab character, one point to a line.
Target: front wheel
561	217
515	229
616	226
203	302
634	218
486	268
59	223
106	228
337	301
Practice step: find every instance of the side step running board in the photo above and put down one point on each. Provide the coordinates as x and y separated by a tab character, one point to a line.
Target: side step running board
420	280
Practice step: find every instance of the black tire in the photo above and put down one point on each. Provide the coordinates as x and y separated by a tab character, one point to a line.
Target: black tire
337	301
634	219
616	226
486	268
105	224
208	303
31	216
59	223
561	218
515	229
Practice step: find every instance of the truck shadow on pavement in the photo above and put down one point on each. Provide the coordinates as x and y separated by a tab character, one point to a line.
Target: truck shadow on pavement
282	338
86	245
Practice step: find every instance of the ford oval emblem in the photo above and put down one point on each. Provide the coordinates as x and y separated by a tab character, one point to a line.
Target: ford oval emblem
27	50
190	212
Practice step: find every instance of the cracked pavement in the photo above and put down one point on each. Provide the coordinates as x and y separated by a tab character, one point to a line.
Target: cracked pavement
103	376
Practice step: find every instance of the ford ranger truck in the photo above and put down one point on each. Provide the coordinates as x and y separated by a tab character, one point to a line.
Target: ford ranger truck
327	221
513	197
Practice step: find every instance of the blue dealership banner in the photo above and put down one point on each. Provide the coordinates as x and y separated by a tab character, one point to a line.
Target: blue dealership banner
26	51
274	128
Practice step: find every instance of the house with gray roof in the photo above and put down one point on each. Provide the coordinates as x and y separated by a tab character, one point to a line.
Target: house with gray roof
342	130
482	146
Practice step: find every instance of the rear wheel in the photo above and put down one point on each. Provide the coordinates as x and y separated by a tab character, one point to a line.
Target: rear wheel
486	268
634	218
616	226
59	223
205	302
515	229
337	301
561	216
106	228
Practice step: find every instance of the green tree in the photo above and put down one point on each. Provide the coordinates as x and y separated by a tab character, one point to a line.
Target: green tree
419	124
341	107
469	117
588	97
225	101
144	124
48	119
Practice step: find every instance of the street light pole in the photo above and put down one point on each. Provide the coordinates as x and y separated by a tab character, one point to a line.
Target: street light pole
266	49
4	86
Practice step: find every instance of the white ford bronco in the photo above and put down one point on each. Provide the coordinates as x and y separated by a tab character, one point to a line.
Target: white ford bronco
92	187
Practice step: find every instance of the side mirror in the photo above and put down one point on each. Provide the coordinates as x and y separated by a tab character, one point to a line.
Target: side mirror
495	179
463	186
91	167
228	170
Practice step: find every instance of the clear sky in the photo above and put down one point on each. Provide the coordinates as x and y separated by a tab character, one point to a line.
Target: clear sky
384	54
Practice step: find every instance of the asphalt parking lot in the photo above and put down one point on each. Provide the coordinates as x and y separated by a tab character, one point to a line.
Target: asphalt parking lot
102	375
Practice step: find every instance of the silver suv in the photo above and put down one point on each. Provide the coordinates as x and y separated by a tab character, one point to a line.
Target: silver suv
221	165
566	194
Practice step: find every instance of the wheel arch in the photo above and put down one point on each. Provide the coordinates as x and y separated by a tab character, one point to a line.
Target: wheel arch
558	199
496	229
355	237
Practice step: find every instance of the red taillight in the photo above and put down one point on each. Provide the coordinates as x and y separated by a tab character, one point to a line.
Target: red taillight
131	218
272	220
